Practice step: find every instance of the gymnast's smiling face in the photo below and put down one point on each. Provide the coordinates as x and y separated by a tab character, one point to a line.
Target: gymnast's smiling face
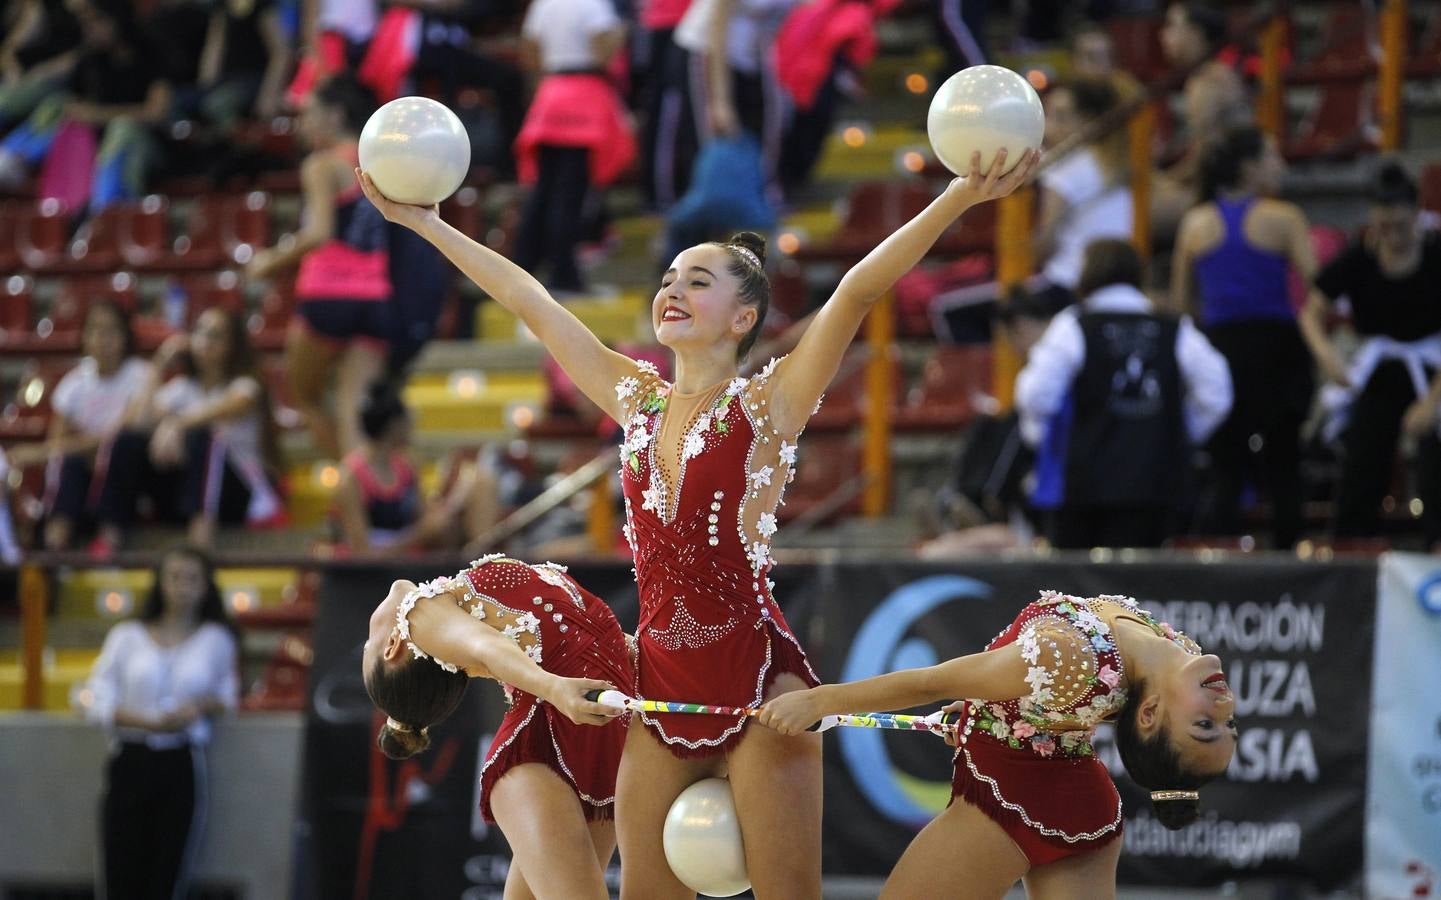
1198	711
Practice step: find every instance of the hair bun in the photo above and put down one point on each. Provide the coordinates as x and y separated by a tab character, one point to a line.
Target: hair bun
398	744
751	241
1176	814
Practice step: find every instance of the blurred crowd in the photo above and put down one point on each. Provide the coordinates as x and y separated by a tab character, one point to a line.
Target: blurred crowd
1169	406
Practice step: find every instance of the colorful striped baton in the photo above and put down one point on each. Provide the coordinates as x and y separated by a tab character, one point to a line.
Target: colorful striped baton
937	722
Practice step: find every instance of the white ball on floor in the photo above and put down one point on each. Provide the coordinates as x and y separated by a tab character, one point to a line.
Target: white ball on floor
415	150
702	839
984	108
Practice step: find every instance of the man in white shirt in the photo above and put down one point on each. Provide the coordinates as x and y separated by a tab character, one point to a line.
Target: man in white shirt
1114	396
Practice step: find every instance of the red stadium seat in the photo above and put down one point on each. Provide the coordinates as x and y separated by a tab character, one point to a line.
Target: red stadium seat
1345	54
268	325
223	230
841	408
9	256
825	465
1341	127
16	304
952	388
40	234
212	290
877	209
27	416
1425	50
58	330
1431	188
1138	45
466	213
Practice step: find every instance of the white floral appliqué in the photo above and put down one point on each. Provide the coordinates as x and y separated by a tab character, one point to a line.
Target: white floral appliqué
762	476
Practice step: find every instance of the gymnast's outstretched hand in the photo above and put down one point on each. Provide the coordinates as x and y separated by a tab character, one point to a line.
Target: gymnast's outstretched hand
406	214
568	696
792	712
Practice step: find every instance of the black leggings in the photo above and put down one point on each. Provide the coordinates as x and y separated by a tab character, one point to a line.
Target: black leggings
151	820
1271	377
179	496
550	227
1370	444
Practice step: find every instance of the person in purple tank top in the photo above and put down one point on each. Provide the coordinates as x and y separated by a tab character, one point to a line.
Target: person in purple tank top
1234	253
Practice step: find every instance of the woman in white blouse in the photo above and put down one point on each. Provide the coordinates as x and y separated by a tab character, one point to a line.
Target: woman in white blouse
158	683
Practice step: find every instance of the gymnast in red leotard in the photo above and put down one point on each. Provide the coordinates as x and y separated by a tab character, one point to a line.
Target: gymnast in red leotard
549	777
704	462
1029	799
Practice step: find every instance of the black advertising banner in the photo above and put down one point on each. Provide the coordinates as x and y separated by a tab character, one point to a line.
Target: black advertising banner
1296	640
1297	644
374	828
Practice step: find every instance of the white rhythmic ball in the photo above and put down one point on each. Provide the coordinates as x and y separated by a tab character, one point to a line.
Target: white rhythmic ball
415	150
702	840
984	108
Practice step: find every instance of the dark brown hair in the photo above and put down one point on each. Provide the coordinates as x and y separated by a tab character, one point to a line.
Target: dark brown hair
755	286
416	693
122	318
1109	261
1156	765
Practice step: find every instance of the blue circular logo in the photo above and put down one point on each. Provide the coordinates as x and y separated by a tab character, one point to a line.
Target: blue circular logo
881	646
1429	595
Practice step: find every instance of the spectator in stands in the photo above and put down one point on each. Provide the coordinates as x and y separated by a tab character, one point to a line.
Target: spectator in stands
158	684
343	288
1238	248
203	445
379	507
1085	195
660	82
575	136
733	80
1213	98
333	39
90	405
115	88
448	52
1093	55
244	62
986	507
37	54
1112	397
1391	385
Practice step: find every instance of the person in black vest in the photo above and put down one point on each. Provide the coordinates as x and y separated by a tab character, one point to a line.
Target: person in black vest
1113	396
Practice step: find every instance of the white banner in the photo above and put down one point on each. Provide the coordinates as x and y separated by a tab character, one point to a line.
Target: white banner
1403	815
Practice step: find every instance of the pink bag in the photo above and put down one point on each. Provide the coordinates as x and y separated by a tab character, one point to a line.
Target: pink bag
69	166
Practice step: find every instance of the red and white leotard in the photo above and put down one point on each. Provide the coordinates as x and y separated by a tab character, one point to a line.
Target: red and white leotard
702	476
1028	763
569	632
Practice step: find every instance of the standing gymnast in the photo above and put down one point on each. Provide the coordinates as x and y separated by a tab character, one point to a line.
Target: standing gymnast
1034	801
548	779
704	462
